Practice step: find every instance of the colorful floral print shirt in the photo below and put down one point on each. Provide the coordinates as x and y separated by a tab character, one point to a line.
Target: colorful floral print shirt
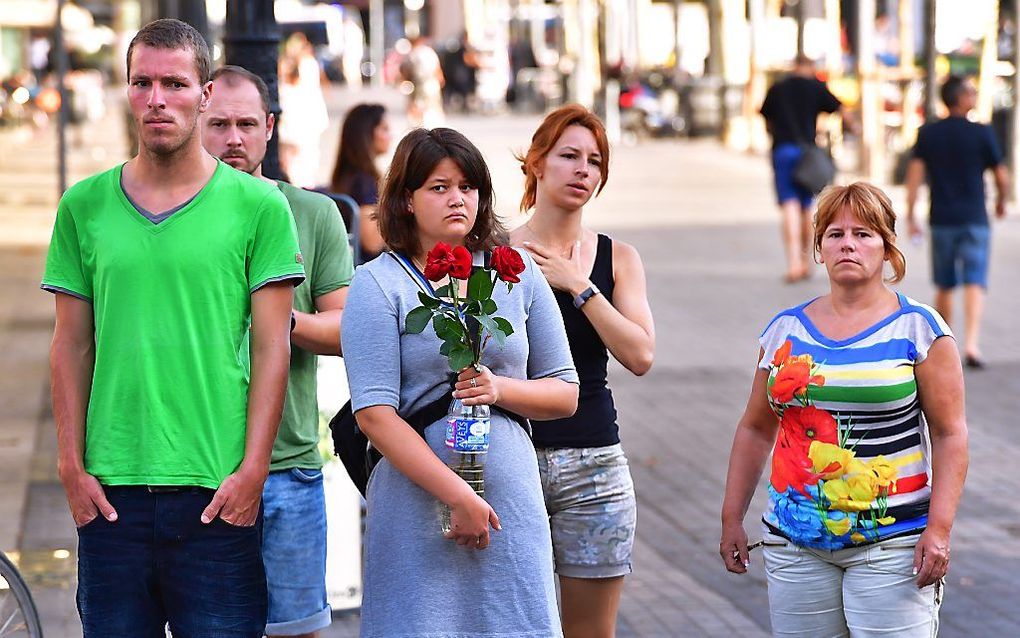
851	462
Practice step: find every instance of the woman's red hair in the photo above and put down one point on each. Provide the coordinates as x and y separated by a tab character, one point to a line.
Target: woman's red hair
546	136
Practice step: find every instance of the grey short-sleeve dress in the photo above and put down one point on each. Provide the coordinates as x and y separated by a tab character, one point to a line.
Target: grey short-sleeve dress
416	582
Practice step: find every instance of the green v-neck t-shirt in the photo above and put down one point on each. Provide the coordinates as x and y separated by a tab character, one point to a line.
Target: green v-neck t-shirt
322	237
171	304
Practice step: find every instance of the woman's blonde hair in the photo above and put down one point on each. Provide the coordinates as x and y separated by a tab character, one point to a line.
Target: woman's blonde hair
873	208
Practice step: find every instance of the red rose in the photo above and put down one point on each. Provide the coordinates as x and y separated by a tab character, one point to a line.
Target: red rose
507	263
438	262
443	260
461	268
799	427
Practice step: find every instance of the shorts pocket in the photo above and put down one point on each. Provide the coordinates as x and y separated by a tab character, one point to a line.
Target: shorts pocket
893	556
611	456
779	553
306	475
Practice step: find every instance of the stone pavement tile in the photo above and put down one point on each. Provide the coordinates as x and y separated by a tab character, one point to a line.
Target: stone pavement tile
679	494
49	542
24	341
16	443
692	610
28	176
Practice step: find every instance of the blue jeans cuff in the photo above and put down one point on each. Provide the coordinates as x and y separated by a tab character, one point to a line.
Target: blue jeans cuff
315	622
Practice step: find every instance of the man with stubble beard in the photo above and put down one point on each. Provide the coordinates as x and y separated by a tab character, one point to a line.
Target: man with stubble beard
158	266
236	128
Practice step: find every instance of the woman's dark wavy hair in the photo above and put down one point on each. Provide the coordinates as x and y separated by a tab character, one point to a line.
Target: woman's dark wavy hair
356	152
416	157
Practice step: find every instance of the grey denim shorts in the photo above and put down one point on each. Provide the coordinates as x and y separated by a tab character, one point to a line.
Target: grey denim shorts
589	495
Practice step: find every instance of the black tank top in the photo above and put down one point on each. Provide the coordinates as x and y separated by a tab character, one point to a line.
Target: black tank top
594	423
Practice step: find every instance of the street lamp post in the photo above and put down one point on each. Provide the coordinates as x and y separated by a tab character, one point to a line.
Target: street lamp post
871	156
715	66
377	44
61	55
930	56
801	15
251	39
190	11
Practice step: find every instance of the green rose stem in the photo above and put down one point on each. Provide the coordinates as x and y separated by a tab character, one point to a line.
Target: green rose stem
463	346
468	466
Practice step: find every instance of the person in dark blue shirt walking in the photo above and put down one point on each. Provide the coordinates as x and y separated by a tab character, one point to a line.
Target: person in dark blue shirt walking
954	153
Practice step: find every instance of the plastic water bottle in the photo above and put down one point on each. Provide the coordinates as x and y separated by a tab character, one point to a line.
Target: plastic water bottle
467	443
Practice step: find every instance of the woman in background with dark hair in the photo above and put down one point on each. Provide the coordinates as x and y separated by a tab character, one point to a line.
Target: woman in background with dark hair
364	138
418	583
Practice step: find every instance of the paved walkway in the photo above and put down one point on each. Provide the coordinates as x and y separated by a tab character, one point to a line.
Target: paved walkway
703	220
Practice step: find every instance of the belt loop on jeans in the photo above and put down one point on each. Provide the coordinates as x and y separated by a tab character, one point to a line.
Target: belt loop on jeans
164	489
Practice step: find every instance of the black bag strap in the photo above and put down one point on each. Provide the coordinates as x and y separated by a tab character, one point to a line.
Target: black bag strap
355	450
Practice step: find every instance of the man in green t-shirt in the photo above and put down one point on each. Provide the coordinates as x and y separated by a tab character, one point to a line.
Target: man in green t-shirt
158	267
236	128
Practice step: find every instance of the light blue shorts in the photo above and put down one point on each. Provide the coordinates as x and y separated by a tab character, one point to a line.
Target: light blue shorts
959	254
589	495
294	552
785	158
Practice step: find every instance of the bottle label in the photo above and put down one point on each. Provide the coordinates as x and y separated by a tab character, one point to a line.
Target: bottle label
467	434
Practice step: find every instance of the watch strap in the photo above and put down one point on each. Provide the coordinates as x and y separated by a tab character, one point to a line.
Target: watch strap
585	295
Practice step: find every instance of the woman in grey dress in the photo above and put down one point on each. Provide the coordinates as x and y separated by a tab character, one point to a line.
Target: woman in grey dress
418	582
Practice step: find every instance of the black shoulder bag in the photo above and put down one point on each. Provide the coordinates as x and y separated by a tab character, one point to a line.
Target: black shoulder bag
353	447
815	169
355	451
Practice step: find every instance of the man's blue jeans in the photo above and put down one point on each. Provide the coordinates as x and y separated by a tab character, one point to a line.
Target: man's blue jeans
158	564
294	551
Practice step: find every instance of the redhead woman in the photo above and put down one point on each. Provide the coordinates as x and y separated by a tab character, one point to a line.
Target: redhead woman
599	284
850	389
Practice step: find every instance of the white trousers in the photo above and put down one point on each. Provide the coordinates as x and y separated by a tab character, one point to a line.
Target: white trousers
859	592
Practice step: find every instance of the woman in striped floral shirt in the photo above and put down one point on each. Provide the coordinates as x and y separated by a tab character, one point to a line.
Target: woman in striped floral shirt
860	399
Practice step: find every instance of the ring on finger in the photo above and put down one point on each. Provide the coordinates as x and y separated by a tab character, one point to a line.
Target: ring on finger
474	383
